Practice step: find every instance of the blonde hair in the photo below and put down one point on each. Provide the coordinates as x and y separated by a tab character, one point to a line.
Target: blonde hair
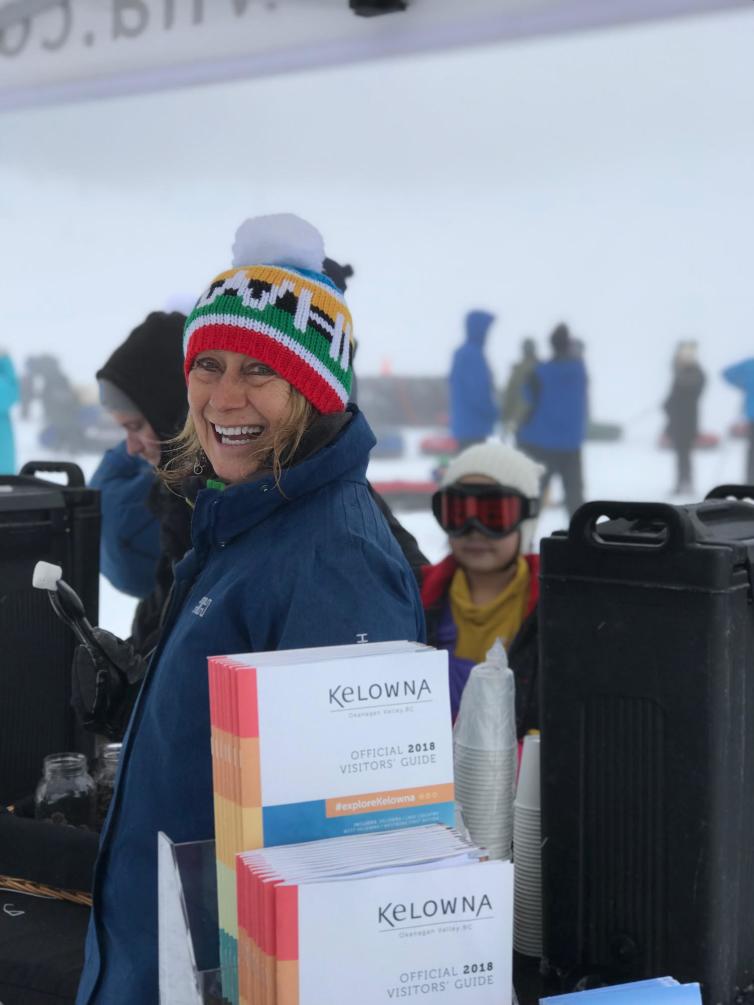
274	452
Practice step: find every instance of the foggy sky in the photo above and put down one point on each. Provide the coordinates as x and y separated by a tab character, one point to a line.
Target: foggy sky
606	179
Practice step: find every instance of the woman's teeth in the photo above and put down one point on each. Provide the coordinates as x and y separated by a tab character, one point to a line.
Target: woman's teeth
237	436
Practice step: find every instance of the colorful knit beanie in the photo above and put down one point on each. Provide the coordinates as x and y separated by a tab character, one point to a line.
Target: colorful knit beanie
276	305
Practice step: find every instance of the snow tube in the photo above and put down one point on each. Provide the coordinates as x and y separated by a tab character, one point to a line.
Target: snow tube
739	430
703	441
439	444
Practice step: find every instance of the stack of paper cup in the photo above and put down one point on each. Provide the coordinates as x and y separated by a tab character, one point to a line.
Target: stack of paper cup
485	754
527	871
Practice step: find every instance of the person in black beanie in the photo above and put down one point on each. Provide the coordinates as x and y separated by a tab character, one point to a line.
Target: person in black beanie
145	375
143	387
145	527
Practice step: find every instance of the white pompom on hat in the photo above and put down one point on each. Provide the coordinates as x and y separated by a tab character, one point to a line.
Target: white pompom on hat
279	239
506	466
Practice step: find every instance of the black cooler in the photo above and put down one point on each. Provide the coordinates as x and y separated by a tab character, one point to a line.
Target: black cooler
41	520
647	715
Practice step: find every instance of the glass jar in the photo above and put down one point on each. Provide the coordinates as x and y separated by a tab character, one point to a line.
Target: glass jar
104	780
65	794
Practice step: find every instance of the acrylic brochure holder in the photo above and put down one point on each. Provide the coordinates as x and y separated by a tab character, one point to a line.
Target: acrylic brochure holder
188	935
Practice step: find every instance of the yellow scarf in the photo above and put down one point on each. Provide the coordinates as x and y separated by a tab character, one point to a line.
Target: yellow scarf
478	627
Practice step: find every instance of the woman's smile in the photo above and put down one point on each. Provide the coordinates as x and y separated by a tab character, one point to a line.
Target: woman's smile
236	436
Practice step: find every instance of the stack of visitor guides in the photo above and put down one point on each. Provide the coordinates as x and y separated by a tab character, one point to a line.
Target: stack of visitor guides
323	743
374	918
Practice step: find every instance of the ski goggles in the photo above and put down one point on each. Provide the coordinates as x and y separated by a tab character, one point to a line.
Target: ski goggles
495	510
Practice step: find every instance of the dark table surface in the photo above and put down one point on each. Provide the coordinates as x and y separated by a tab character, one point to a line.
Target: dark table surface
41	949
529	983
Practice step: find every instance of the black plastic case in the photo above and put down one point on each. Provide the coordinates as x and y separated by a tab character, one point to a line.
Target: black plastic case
41	520
647	715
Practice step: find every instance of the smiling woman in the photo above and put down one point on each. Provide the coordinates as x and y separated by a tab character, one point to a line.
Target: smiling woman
289	551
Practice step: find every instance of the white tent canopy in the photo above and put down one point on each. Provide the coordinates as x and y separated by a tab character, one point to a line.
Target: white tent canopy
63	50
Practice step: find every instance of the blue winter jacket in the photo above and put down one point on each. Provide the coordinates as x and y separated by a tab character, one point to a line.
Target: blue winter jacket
266	572
130	541
473	411
8	397
742	375
558	396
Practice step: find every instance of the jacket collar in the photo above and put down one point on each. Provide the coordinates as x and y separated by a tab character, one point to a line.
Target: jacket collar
436	581
221	516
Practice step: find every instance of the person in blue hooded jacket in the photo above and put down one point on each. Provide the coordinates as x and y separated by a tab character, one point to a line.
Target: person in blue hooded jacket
141	385
289	550
555	428
473	411
130	540
9	392
741	375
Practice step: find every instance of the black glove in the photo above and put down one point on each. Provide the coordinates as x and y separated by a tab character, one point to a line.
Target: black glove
106	679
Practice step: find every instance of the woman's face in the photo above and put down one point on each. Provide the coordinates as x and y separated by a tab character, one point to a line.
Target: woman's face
234	400
141	439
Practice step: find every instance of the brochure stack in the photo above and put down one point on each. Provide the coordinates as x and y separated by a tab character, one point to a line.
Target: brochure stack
374	918
313	744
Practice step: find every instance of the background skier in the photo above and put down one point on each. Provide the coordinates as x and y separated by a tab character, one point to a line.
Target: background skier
515	406
741	375
9	393
682	409
473	411
554	431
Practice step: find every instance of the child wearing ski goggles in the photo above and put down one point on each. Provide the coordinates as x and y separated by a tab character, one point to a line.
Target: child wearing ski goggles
487	587
494	510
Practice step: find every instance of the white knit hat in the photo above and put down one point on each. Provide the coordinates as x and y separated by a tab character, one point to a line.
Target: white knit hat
505	465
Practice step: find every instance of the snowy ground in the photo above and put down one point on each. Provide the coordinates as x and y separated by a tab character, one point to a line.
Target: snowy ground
633	469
